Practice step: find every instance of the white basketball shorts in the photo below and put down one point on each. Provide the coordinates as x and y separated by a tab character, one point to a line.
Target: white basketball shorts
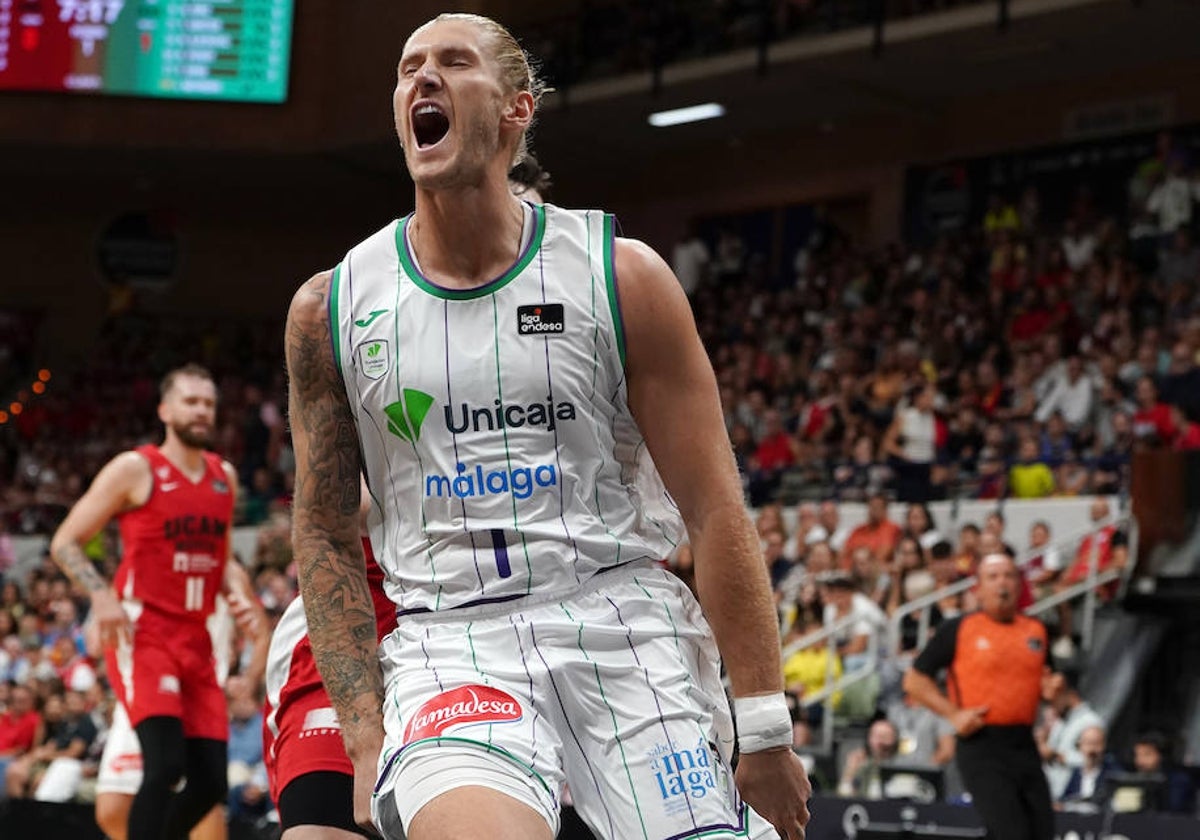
615	691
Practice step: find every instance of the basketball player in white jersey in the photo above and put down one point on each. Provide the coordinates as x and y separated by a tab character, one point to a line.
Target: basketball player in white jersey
475	361
120	772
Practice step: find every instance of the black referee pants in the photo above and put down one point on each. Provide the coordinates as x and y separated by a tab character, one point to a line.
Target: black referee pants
1002	770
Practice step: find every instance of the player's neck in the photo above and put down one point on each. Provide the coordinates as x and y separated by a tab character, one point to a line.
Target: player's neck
188	459
466	237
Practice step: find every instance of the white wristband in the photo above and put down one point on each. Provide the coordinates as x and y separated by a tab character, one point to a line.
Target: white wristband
763	722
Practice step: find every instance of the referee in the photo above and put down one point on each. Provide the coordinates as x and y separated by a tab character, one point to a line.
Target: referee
995	659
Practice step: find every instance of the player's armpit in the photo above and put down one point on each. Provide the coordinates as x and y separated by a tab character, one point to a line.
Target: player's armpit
325	529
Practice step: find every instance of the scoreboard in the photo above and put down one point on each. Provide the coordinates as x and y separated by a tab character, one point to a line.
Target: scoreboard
235	50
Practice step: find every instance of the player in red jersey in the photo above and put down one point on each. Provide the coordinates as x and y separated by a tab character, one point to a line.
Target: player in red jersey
175	504
312	779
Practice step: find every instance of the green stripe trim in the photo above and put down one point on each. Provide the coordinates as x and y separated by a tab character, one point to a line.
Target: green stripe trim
491	748
610	279
427	286
613	715
335	332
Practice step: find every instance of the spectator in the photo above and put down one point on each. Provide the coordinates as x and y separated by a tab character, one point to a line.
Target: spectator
1030	477
690	261
918	524
1187	432
60	779
860	776
966	554
1044	564
926	740
913	580
1152	756
829	517
1181	264
1171	201
857	642
1071	397
808	670
912	442
21	728
1085	788
1152	421
870	576
1108	548
878	533
1071	715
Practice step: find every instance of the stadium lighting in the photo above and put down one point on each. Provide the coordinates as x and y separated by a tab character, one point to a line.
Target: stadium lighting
692	113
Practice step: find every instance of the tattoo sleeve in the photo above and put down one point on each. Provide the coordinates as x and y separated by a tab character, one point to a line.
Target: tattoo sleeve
325	531
79	567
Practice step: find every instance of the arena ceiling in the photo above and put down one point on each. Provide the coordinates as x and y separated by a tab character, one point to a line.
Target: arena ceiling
597	134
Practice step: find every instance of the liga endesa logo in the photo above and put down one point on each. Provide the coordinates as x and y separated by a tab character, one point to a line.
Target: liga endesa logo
468	704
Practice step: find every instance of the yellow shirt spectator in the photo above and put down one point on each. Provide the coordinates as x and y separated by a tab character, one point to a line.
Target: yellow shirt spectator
1030	481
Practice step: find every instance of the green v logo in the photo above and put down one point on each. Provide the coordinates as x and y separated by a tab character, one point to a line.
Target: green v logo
404	418
366	322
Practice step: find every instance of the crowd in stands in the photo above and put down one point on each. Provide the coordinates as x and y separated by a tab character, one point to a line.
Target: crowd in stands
1023	357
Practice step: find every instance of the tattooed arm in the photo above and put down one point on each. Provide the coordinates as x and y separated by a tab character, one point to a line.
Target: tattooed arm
325	535
123	484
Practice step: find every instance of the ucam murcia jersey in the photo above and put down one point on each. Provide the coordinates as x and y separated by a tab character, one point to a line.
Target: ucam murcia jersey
174	546
500	452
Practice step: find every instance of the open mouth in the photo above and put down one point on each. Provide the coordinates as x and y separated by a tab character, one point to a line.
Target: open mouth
429	125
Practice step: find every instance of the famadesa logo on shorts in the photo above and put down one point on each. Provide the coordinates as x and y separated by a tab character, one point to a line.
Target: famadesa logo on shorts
469	704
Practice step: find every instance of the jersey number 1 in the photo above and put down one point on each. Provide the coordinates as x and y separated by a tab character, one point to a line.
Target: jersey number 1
193	598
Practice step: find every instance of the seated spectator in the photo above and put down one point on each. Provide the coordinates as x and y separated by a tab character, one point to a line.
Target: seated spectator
861	476
1030	477
870	575
1071	397
809	669
60	779
1152	422
21	727
926	738
1187	431
878	533
1070	716
829	516
775	453
913	580
856	641
1111	551
945	568
247	787
1056	442
860	776
1085	788
1152	756
1044	564
918	524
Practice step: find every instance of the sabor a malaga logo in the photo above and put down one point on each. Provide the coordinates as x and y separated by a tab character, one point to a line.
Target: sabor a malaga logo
373	350
404	417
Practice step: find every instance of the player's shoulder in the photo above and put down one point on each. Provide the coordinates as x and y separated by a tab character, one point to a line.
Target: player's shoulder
133	463
308	313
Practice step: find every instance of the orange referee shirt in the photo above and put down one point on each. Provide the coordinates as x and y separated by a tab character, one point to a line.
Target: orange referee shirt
990	663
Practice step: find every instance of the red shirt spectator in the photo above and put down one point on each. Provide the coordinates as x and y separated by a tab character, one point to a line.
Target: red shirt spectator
878	533
1153	418
19	724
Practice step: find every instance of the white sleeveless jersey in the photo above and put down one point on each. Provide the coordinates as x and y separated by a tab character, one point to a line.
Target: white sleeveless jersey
501	456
